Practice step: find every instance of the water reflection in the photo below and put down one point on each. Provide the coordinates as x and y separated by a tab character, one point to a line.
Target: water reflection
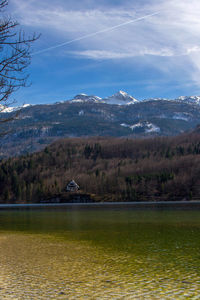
99	254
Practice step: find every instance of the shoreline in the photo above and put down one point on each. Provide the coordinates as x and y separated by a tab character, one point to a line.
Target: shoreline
143	204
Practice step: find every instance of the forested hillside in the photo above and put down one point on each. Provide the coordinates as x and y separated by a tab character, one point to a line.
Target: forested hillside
109	169
38	126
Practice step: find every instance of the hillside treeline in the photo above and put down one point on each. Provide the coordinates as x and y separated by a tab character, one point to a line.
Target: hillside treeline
111	169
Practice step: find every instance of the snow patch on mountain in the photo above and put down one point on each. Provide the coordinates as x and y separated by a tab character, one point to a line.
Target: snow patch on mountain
120	98
24	117
147	126
9	109
181	116
137	125
189	99
86	98
81	113
151	128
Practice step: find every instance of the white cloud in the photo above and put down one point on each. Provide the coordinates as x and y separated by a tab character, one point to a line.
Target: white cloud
175	32
103	54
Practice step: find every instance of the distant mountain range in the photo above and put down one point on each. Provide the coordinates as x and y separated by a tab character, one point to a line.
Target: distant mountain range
120	98
118	115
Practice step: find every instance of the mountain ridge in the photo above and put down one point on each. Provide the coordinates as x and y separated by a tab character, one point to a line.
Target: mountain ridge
119	98
37	126
123	98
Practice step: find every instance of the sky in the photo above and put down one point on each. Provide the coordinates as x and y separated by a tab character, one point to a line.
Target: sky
148	48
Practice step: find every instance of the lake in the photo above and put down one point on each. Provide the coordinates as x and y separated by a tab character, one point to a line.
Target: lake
99	253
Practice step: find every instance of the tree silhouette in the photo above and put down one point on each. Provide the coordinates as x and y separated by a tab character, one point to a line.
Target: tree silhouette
15	57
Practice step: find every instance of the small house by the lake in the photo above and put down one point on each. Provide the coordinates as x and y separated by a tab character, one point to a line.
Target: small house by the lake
72	186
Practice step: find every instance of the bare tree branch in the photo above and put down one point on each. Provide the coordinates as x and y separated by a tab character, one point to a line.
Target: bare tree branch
15	57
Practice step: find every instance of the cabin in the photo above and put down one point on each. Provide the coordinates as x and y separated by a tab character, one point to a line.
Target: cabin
72	186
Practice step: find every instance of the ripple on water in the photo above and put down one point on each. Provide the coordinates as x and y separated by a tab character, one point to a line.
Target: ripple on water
40	267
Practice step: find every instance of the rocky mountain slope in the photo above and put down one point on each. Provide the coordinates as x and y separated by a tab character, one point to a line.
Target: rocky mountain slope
120	115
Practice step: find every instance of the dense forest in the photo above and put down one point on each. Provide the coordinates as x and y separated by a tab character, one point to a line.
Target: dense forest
107	169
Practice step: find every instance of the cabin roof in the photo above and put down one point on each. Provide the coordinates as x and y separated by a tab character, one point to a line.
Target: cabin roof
72	186
72	183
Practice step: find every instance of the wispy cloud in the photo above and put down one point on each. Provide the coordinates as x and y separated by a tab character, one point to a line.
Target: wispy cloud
104	54
176	28
175	32
94	34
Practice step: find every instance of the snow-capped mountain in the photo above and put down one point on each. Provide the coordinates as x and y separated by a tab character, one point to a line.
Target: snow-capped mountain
38	125
189	99
9	109
120	98
86	98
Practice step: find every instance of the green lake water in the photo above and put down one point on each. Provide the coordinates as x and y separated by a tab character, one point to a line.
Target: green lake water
97	253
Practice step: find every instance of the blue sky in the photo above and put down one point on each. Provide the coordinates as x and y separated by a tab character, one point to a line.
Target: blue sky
157	56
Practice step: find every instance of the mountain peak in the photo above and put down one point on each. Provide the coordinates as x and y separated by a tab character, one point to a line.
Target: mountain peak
81	96
189	99
120	98
86	98
121	93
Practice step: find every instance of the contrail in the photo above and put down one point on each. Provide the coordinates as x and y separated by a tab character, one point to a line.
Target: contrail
95	33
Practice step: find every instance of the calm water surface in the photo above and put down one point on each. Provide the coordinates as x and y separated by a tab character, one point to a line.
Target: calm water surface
97	253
